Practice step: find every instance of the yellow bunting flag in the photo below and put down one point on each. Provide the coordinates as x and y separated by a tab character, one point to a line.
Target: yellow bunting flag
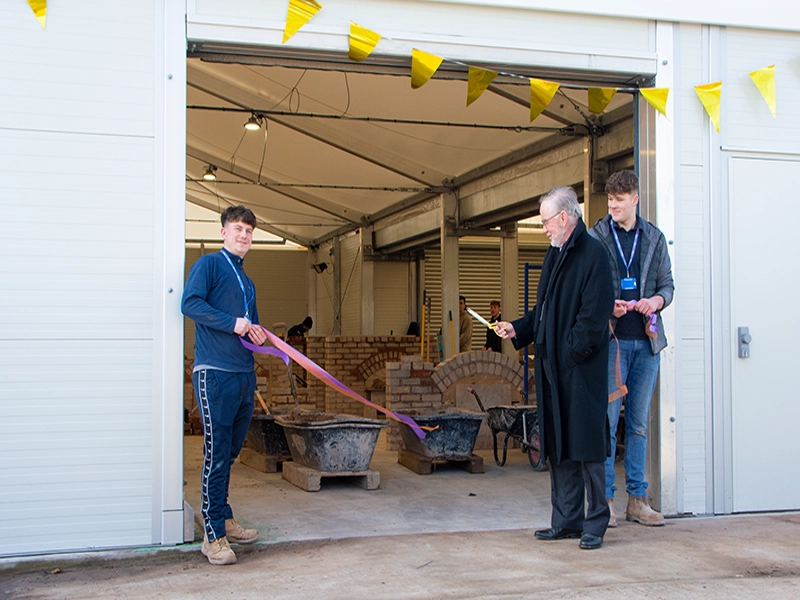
299	13
479	80
39	8
599	99
362	42
657	97
710	95
423	66
542	93
765	82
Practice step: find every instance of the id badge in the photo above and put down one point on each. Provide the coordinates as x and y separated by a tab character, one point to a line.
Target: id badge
628	283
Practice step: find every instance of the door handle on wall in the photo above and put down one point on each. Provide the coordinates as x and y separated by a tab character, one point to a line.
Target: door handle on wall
744	342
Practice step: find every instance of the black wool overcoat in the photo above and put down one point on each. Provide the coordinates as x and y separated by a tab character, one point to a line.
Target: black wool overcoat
569	329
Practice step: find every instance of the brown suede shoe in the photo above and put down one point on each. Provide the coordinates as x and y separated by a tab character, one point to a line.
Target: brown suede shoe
639	511
612	521
238	534
218	552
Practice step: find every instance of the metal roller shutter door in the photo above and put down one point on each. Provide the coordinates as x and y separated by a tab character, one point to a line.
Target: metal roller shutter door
479	279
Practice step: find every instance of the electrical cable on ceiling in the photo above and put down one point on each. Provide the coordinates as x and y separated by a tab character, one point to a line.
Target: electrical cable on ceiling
264	151
233	202
347	85
326	186
280	113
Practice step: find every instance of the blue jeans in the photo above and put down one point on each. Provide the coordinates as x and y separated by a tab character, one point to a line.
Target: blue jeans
639	368
226	406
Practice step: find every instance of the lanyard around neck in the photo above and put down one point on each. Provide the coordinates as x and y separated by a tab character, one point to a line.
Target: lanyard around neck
629	262
241	284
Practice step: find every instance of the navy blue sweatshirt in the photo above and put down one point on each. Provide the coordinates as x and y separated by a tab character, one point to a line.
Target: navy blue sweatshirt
213	299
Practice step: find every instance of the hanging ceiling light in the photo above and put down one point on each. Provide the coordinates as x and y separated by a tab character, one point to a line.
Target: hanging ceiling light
211	173
254	122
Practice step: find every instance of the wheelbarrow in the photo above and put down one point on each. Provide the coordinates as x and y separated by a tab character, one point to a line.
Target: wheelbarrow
519	422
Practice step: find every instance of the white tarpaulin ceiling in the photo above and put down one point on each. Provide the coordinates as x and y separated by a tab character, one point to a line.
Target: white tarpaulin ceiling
317	165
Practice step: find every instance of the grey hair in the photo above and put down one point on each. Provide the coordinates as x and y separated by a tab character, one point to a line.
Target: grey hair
564	198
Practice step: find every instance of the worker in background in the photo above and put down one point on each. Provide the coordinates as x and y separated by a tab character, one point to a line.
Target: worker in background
301	328
643	287
221	299
569	330
464	326
494	343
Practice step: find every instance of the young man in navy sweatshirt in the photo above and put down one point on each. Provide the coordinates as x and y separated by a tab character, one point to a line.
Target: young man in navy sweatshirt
221	299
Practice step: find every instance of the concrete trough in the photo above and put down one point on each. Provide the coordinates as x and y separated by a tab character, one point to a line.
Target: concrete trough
265	436
331	442
454	436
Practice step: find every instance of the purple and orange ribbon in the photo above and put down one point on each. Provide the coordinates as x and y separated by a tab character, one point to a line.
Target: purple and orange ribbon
652	328
284	351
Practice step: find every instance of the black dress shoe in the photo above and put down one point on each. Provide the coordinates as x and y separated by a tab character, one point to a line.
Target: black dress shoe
589	541
557	533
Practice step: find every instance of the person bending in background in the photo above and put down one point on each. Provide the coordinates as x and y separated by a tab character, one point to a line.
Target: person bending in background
569	330
221	299
301	328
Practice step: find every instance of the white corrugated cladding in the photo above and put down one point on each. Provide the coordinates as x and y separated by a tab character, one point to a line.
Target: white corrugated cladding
350	247
693	371
280	278
479	278
78	464
391	298
481	31
760	152
749	123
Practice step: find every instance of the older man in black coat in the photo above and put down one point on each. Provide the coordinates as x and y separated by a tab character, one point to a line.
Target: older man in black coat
569	329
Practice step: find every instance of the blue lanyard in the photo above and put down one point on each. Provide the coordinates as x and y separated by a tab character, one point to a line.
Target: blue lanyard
629	262
241	284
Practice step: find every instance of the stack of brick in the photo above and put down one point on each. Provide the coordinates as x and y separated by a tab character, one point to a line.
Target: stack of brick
357	362
410	390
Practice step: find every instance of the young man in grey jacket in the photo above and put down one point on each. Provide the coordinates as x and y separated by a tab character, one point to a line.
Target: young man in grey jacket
643	287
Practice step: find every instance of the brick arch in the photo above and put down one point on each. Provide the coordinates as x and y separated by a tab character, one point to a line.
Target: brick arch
377	363
477	362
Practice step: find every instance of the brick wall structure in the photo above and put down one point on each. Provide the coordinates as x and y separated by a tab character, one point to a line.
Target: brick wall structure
359	363
414	386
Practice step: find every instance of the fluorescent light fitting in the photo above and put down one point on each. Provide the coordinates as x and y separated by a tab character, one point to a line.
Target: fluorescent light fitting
211	173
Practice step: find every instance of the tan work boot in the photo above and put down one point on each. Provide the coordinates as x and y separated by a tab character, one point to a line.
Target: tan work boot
639	511
218	552
238	534
612	521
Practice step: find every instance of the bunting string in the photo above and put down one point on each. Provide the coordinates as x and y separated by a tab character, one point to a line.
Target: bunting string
424	65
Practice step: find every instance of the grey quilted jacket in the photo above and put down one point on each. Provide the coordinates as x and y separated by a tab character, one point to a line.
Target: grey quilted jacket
655	266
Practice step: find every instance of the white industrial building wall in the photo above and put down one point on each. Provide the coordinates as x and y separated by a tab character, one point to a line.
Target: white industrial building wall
81	309
481	31
705	54
749	124
691	272
391	298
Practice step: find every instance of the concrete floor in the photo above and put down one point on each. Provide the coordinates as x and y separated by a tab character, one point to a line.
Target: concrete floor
449	534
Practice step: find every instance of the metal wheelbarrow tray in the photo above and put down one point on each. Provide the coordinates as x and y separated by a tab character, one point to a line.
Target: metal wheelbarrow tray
453	437
520	422
331	442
